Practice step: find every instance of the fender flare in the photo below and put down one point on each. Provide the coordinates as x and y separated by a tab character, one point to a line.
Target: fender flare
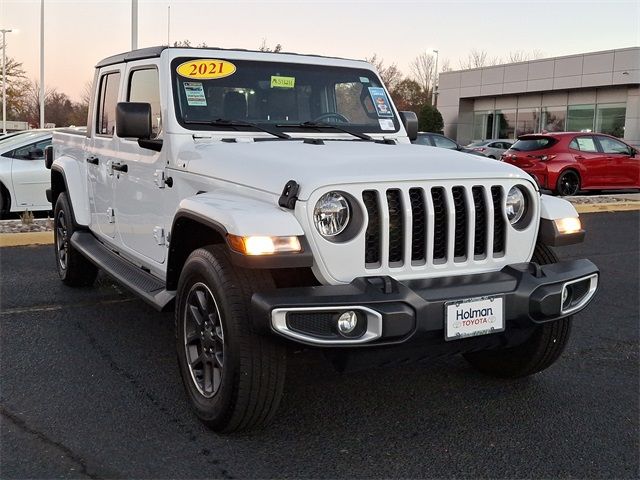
66	176
208	218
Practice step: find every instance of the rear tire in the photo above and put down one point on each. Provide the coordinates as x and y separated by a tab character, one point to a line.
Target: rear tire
568	183
5	201
538	352
73	268
233	376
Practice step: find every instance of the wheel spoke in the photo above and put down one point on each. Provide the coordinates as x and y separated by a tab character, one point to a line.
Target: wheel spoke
217	379
219	358
192	337
202	301
208	377
200	359
195	315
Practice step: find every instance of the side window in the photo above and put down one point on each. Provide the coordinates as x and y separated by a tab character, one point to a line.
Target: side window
107	99
423	140
34	151
443	142
609	145
144	87
585	144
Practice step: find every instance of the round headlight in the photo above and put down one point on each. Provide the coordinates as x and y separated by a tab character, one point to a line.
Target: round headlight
331	214
516	204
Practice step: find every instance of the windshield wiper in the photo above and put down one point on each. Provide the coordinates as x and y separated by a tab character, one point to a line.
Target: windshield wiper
320	125
221	122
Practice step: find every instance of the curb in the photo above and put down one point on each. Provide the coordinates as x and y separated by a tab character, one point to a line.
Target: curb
606	207
23	239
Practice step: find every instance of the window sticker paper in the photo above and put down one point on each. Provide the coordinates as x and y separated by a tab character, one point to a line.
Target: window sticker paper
195	94
380	101
386	124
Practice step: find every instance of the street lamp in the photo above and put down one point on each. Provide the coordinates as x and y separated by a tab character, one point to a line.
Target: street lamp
435	77
4	79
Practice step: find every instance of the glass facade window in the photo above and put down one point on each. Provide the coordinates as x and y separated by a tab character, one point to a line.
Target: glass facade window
610	119
482	125
505	123
554	118
580	118
528	121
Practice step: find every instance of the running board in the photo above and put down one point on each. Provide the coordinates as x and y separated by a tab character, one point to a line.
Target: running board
143	284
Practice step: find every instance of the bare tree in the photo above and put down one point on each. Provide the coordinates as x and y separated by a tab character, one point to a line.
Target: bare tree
423	71
266	48
522	56
391	75
187	43
446	65
477	59
87	90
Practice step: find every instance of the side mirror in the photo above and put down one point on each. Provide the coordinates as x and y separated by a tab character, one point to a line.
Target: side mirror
133	120
48	157
634	152
410	122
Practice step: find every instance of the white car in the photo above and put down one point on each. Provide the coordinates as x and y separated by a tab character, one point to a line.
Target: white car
490	148
23	176
274	201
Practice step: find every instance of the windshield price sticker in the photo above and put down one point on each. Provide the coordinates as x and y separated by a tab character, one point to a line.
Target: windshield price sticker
381	102
206	69
282	82
386	124
195	94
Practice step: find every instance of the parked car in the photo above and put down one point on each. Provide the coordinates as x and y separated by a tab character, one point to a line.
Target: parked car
567	162
270	221
490	148
437	140
23	176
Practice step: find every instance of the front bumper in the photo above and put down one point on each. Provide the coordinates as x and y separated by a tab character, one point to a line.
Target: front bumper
413	312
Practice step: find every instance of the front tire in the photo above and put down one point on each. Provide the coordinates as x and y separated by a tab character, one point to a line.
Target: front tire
233	377
73	269
538	352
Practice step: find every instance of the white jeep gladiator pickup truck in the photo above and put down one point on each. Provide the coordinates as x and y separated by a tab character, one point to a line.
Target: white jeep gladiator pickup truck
275	201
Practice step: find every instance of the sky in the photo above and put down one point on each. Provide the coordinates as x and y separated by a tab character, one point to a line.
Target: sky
79	33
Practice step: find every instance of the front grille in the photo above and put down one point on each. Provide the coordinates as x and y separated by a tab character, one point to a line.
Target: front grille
433	225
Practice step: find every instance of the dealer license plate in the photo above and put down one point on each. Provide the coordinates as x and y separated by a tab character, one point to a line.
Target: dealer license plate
474	316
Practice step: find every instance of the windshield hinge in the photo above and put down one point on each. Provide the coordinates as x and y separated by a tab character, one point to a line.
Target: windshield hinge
289	195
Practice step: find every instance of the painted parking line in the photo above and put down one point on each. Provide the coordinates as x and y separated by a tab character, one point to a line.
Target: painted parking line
606	207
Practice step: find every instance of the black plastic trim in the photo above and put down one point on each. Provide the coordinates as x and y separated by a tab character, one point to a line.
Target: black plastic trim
531	292
549	235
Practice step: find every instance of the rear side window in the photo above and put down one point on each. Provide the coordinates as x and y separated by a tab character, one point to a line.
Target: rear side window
584	144
423	140
443	142
530	144
35	151
108	97
144	87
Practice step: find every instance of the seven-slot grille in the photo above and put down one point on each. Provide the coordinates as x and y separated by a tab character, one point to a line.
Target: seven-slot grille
433	225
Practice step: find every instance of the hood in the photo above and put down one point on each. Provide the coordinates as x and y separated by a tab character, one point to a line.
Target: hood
269	165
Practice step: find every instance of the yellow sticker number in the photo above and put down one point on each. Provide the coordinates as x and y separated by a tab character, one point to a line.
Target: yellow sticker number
283	82
206	68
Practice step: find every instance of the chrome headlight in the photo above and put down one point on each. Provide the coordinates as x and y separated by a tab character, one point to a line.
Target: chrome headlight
516	204
331	214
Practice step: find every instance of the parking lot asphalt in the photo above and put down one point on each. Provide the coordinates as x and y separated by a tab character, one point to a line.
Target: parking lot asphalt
90	388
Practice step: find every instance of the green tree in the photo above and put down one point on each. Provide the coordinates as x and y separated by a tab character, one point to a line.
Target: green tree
409	95
430	120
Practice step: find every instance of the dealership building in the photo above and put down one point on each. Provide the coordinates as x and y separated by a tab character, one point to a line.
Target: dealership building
597	92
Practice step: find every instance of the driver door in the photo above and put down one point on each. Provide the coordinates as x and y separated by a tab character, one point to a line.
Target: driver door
29	176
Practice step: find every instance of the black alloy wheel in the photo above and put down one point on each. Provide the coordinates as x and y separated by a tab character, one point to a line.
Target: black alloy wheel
204	340
62	240
568	183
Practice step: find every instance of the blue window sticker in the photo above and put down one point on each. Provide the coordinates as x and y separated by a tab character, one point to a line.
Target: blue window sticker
381	102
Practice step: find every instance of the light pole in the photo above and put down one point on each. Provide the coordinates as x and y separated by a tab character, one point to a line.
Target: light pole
41	63
134	24
4	80
435	83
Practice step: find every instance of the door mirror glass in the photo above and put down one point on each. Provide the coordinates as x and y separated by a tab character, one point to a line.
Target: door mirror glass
133	120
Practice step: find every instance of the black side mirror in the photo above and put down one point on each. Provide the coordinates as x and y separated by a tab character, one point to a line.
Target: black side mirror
133	120
410	122
48	156
634	152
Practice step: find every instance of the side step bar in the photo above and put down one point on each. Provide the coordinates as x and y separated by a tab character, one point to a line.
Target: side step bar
146	286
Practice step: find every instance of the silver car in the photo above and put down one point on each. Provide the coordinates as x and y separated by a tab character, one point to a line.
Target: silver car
491	148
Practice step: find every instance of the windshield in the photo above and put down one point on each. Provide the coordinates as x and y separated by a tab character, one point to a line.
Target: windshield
278	96
533	143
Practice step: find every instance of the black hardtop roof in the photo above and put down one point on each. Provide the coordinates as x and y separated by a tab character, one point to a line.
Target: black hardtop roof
154	52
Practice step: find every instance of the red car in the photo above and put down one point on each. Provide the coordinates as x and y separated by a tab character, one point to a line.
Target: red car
566	162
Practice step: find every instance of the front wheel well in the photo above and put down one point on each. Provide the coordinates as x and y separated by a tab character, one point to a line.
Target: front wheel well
187	235
58	186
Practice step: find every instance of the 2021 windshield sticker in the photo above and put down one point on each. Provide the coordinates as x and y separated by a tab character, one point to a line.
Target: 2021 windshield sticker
381	102
282	82
206	69
195	94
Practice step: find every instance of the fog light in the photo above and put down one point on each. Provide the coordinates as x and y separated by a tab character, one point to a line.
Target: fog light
347	322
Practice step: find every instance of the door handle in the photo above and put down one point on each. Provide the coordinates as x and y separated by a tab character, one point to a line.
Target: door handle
93	160
578	157
120	168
